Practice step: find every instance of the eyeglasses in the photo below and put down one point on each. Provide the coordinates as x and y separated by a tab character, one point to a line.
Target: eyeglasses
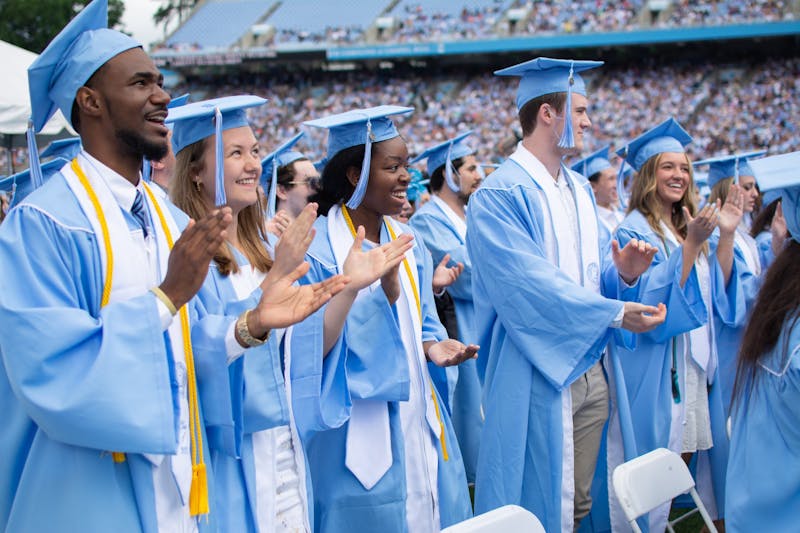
312	182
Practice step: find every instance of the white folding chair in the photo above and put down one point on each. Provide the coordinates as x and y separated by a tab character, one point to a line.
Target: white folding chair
655	478
506	519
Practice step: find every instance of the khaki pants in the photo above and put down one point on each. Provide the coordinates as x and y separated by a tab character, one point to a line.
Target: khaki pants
589	414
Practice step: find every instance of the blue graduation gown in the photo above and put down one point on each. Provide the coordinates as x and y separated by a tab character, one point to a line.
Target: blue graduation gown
647	367
442	238
78	381
536	338
372	352
262	403
765	255
764	469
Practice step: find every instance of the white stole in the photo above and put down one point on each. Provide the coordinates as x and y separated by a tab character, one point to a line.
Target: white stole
556	222
130	279
584	270
749	250
456	221
368	452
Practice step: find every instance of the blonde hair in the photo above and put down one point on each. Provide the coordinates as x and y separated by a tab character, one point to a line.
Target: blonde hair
719	192
644	198
188	195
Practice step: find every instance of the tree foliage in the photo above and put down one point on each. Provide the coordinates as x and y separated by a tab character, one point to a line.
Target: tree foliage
171	10
31	24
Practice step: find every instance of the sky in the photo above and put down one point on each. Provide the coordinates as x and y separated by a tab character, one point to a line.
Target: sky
138	19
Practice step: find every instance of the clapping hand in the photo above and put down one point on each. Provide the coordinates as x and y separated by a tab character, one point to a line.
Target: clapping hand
700	227
633	260
444	276
732	211
278	224
451	352
364	268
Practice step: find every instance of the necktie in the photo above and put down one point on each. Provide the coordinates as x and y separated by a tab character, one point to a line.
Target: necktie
139	211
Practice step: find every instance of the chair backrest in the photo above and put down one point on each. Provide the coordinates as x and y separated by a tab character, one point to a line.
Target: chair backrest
506	519
644	483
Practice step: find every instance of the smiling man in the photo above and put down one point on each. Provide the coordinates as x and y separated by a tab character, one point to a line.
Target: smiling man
104	431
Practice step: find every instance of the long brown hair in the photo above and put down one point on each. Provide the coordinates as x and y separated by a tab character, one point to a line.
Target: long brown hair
644	198
187	193
777	308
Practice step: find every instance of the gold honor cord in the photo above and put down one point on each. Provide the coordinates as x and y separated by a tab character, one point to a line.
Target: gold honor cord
407	268
198	495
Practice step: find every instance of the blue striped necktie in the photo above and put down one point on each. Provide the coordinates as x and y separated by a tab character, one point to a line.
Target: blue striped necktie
139	211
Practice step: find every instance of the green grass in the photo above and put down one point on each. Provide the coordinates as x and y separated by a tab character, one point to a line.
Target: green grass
693	524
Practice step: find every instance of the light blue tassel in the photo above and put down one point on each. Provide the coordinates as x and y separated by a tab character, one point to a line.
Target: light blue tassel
736	171
37	180
219	174
272	197
146	170
363	179
449	170
621	192
567	139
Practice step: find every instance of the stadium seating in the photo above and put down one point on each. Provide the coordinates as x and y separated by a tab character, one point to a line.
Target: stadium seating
204	30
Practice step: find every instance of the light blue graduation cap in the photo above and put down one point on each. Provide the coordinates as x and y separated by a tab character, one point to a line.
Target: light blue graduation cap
21	184
668	136
544	75
54	77
443	154
63	148
320	165
594	163
729	166
353	128
782	172
199	120
282	156
770	196
417	185
179	101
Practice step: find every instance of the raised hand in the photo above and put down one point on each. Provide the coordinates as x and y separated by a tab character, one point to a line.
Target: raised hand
278	224
451	352
633	260
364	268
283	302
732	211
640	318
294	243
189	259
444	276
701	227
779	230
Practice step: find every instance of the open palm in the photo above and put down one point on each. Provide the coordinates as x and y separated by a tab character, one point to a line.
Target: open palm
451	352
364	268
732	210
634	259
284	303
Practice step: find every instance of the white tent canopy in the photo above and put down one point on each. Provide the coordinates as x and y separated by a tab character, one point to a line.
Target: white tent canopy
15	105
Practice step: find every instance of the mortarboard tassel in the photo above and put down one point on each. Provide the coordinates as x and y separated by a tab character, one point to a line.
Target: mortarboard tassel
361	186
736	171
219	175
33	157
448	172
146	170
272	196
567	139
621	192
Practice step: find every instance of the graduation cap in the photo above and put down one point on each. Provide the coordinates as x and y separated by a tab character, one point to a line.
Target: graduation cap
21	184
668	136
282	156
199	120
770	196
443	154
353	128
729	166
320	165
782	172
64	148
179	101
544	75
594	163
417	185
54	77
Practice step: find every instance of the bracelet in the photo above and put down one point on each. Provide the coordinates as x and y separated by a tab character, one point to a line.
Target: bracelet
243	332
165	300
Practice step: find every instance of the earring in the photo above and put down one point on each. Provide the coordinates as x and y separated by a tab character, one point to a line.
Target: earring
197	186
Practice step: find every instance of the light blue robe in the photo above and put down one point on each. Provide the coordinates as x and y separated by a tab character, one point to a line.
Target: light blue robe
262	404
765	254
79	381
377	368
539	331
764	468
647	368
465	408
